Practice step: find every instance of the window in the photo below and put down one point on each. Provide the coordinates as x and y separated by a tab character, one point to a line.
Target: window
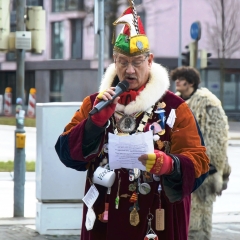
57	40
56	86
77	32
230	91
34	2
67	5
137	2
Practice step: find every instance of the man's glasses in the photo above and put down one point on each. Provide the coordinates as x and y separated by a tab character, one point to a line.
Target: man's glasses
135	63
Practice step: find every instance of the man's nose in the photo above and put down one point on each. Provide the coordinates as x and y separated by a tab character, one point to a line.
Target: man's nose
130	69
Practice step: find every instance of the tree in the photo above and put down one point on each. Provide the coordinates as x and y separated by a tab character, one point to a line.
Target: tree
224	35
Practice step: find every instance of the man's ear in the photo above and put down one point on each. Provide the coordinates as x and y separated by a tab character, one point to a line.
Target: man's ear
150	59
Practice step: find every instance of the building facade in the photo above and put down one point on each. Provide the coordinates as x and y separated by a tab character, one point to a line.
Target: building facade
67	68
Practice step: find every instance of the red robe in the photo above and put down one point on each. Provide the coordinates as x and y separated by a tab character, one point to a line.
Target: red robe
186	148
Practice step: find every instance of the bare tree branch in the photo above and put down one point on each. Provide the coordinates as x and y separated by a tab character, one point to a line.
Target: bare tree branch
223	37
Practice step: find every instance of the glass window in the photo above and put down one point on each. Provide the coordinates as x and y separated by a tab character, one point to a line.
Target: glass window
66	5
137	2
238	91
214	82
34	2
229	95
77	30
57	40
56	86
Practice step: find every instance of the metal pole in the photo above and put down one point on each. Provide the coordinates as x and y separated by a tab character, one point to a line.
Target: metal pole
19	156
180	35
101	40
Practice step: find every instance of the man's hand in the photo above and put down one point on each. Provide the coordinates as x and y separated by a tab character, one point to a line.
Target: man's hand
157	163
100	118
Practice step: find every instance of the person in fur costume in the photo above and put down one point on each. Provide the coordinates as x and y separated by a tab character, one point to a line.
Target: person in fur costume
213	123
152	198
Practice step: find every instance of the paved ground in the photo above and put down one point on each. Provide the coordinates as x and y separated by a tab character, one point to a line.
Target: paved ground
226	225
224	231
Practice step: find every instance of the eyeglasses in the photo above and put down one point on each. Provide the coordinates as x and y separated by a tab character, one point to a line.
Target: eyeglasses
134	63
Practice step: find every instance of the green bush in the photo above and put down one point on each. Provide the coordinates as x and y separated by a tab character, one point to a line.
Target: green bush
9	166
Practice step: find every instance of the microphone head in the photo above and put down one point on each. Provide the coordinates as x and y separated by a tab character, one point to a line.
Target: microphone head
124	85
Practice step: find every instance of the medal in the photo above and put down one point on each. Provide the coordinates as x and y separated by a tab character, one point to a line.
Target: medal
134	217
144	188
132	187
126	124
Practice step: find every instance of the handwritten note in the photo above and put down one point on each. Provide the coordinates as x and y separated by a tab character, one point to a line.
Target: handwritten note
124	151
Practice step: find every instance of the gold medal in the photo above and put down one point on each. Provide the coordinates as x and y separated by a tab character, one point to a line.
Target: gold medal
134	217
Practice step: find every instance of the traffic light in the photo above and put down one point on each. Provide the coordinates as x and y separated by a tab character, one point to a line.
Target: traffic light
188	58
204	61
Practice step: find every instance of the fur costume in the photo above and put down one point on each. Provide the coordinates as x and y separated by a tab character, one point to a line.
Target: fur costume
214	126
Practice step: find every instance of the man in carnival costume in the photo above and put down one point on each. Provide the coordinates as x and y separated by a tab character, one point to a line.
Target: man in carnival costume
213	123
152	203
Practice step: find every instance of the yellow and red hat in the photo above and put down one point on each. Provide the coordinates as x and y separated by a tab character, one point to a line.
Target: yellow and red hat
132	39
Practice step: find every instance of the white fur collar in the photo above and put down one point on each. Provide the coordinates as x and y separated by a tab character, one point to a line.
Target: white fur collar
156	87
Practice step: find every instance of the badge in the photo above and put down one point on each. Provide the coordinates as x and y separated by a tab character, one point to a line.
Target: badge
144	188
156	178
147	177
133	198
131	175
105	147
126	124
139	45
160	144
132	187
137	173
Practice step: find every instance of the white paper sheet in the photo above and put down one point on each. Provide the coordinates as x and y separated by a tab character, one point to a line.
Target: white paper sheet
124	151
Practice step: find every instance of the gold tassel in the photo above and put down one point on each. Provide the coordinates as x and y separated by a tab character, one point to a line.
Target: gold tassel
113	36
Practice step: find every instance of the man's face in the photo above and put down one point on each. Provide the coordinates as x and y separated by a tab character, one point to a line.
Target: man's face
133	69
182	85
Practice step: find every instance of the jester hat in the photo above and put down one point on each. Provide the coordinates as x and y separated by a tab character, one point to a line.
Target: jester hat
132	40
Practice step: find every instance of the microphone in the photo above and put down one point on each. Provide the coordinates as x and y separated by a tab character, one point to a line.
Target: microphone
120	88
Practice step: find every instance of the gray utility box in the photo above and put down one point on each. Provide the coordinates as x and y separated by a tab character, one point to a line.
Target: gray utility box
59	190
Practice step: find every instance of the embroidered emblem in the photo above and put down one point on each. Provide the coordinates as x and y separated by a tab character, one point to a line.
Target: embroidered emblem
139	45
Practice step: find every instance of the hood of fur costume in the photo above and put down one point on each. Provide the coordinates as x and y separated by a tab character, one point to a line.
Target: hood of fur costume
155	88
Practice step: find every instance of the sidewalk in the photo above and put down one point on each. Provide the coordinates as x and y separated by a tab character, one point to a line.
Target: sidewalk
226	218
226	225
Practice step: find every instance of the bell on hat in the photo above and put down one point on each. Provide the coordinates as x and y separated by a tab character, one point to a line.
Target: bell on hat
132	39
